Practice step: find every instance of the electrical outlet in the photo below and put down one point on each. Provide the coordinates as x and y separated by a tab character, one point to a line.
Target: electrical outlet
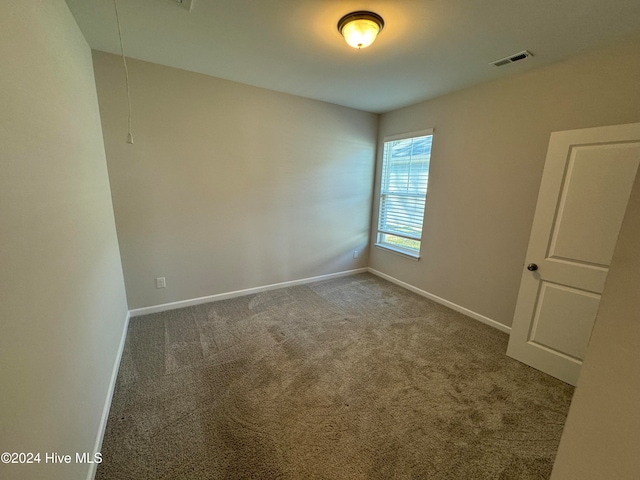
186	4
356	254
161	282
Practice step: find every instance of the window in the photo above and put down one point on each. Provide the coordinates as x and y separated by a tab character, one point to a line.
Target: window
403	191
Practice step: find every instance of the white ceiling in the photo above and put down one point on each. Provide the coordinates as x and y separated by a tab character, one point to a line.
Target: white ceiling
427	47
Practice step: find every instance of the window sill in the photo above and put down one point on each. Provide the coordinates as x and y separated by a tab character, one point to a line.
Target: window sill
398	251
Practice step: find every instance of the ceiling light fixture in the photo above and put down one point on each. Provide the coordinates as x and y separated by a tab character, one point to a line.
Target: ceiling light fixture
360	29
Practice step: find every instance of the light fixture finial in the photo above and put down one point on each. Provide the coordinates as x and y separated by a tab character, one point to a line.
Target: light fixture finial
361	28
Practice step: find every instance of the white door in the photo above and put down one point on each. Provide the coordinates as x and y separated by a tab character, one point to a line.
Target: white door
585	188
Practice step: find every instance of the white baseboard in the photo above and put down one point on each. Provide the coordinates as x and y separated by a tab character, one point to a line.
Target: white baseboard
238	293
442	301
107	404
136	312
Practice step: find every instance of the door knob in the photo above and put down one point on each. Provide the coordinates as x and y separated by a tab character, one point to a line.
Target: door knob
532	267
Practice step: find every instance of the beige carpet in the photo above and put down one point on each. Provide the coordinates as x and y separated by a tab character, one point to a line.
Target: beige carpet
352	378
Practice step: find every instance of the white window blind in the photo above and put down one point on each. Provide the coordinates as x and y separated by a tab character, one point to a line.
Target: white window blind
403	191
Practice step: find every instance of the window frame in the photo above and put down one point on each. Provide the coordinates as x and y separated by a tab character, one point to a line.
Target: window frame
404	251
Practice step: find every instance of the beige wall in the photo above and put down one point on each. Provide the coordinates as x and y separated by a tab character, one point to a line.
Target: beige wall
602	434
228	186
488	153
63	305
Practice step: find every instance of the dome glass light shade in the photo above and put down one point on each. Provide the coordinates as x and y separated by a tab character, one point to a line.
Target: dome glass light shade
360	29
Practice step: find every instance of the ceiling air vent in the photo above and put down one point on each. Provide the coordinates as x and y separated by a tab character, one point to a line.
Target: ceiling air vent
512	58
